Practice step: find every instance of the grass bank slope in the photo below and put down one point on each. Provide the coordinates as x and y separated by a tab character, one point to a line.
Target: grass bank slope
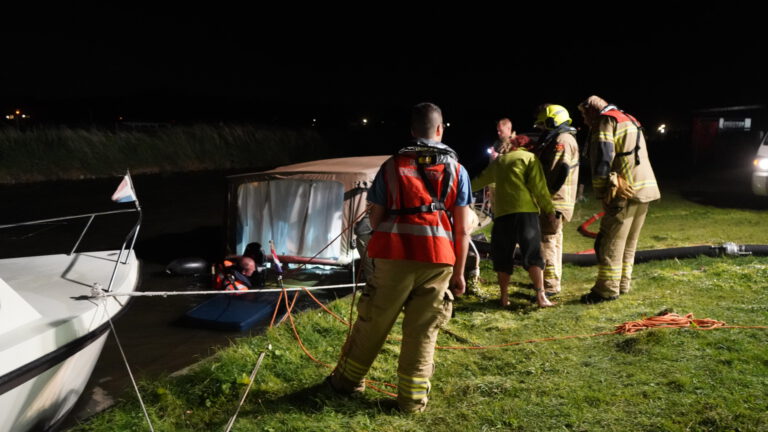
658	380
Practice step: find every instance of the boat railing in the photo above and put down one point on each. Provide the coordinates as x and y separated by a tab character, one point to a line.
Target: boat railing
131	237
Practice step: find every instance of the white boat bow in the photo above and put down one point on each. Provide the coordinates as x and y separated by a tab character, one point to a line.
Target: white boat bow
51	333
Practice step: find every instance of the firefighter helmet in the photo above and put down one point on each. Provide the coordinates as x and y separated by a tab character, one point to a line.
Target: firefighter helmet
552	116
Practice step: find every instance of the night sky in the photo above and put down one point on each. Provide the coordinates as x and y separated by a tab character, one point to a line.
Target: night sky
95	65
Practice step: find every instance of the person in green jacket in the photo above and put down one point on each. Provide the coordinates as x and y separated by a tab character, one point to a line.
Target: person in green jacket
521	194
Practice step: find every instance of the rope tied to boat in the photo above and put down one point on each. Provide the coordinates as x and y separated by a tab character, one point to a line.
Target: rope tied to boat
97	291
125	359
251	378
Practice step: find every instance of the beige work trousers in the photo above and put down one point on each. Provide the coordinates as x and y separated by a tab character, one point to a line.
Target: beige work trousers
615	247
552	253
418	289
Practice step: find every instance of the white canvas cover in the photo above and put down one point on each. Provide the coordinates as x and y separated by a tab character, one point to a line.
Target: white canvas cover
302	207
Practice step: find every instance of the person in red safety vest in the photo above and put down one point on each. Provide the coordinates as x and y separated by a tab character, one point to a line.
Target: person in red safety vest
419	212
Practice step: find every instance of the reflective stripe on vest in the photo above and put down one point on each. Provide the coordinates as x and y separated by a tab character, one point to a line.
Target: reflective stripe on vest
420	230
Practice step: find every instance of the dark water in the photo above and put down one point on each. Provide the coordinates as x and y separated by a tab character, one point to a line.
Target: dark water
183	216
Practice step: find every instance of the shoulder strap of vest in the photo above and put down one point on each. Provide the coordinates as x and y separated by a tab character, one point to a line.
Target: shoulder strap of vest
438	200
636	149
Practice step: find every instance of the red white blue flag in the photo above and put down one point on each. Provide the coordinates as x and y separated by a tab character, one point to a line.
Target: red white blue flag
275	259
125	192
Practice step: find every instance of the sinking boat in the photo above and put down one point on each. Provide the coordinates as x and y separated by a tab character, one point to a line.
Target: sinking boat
51	328
303	208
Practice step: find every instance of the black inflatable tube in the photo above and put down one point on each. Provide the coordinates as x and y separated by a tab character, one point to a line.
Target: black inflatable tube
188	266
659	254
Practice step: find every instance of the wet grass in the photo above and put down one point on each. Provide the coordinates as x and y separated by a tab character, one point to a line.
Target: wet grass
64	153
674	221
659	380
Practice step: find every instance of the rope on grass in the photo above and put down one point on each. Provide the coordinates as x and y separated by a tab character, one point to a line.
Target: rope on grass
369	383
323	307
669	320
298	338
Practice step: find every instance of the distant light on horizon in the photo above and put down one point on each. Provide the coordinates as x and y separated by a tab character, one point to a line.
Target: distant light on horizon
448	124
365	122
662	128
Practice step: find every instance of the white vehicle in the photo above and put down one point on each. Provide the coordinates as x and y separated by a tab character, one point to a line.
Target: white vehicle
52	331
760	173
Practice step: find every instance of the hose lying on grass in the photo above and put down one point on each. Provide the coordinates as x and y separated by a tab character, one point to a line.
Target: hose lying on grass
589	259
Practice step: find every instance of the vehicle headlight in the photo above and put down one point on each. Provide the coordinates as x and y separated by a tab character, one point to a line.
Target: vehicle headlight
761	164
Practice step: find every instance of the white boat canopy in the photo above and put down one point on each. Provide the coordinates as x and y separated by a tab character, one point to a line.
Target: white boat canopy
301	207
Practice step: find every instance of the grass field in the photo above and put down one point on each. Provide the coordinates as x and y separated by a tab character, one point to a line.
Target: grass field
657	380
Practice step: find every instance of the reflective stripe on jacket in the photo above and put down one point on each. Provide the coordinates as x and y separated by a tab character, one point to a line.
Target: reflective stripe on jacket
617	144
425	236
563	150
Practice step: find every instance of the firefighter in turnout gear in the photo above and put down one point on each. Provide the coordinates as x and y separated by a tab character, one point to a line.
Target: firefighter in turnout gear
558	152
419	212
623	179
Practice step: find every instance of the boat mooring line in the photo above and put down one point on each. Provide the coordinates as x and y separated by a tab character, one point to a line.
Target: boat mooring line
247	389
128	367
98	292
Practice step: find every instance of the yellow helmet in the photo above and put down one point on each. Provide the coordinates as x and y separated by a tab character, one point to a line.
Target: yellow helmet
552	116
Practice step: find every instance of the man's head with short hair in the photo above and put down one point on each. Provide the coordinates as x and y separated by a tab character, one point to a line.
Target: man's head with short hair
504	128
591	107
427	121
247	266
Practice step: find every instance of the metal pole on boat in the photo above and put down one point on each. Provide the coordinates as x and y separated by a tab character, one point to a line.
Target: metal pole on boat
135	234
82	234
120	255
141	216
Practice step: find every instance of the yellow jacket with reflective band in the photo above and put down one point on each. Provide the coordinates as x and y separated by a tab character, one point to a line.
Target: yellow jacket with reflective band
563	150
617	133
520	184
